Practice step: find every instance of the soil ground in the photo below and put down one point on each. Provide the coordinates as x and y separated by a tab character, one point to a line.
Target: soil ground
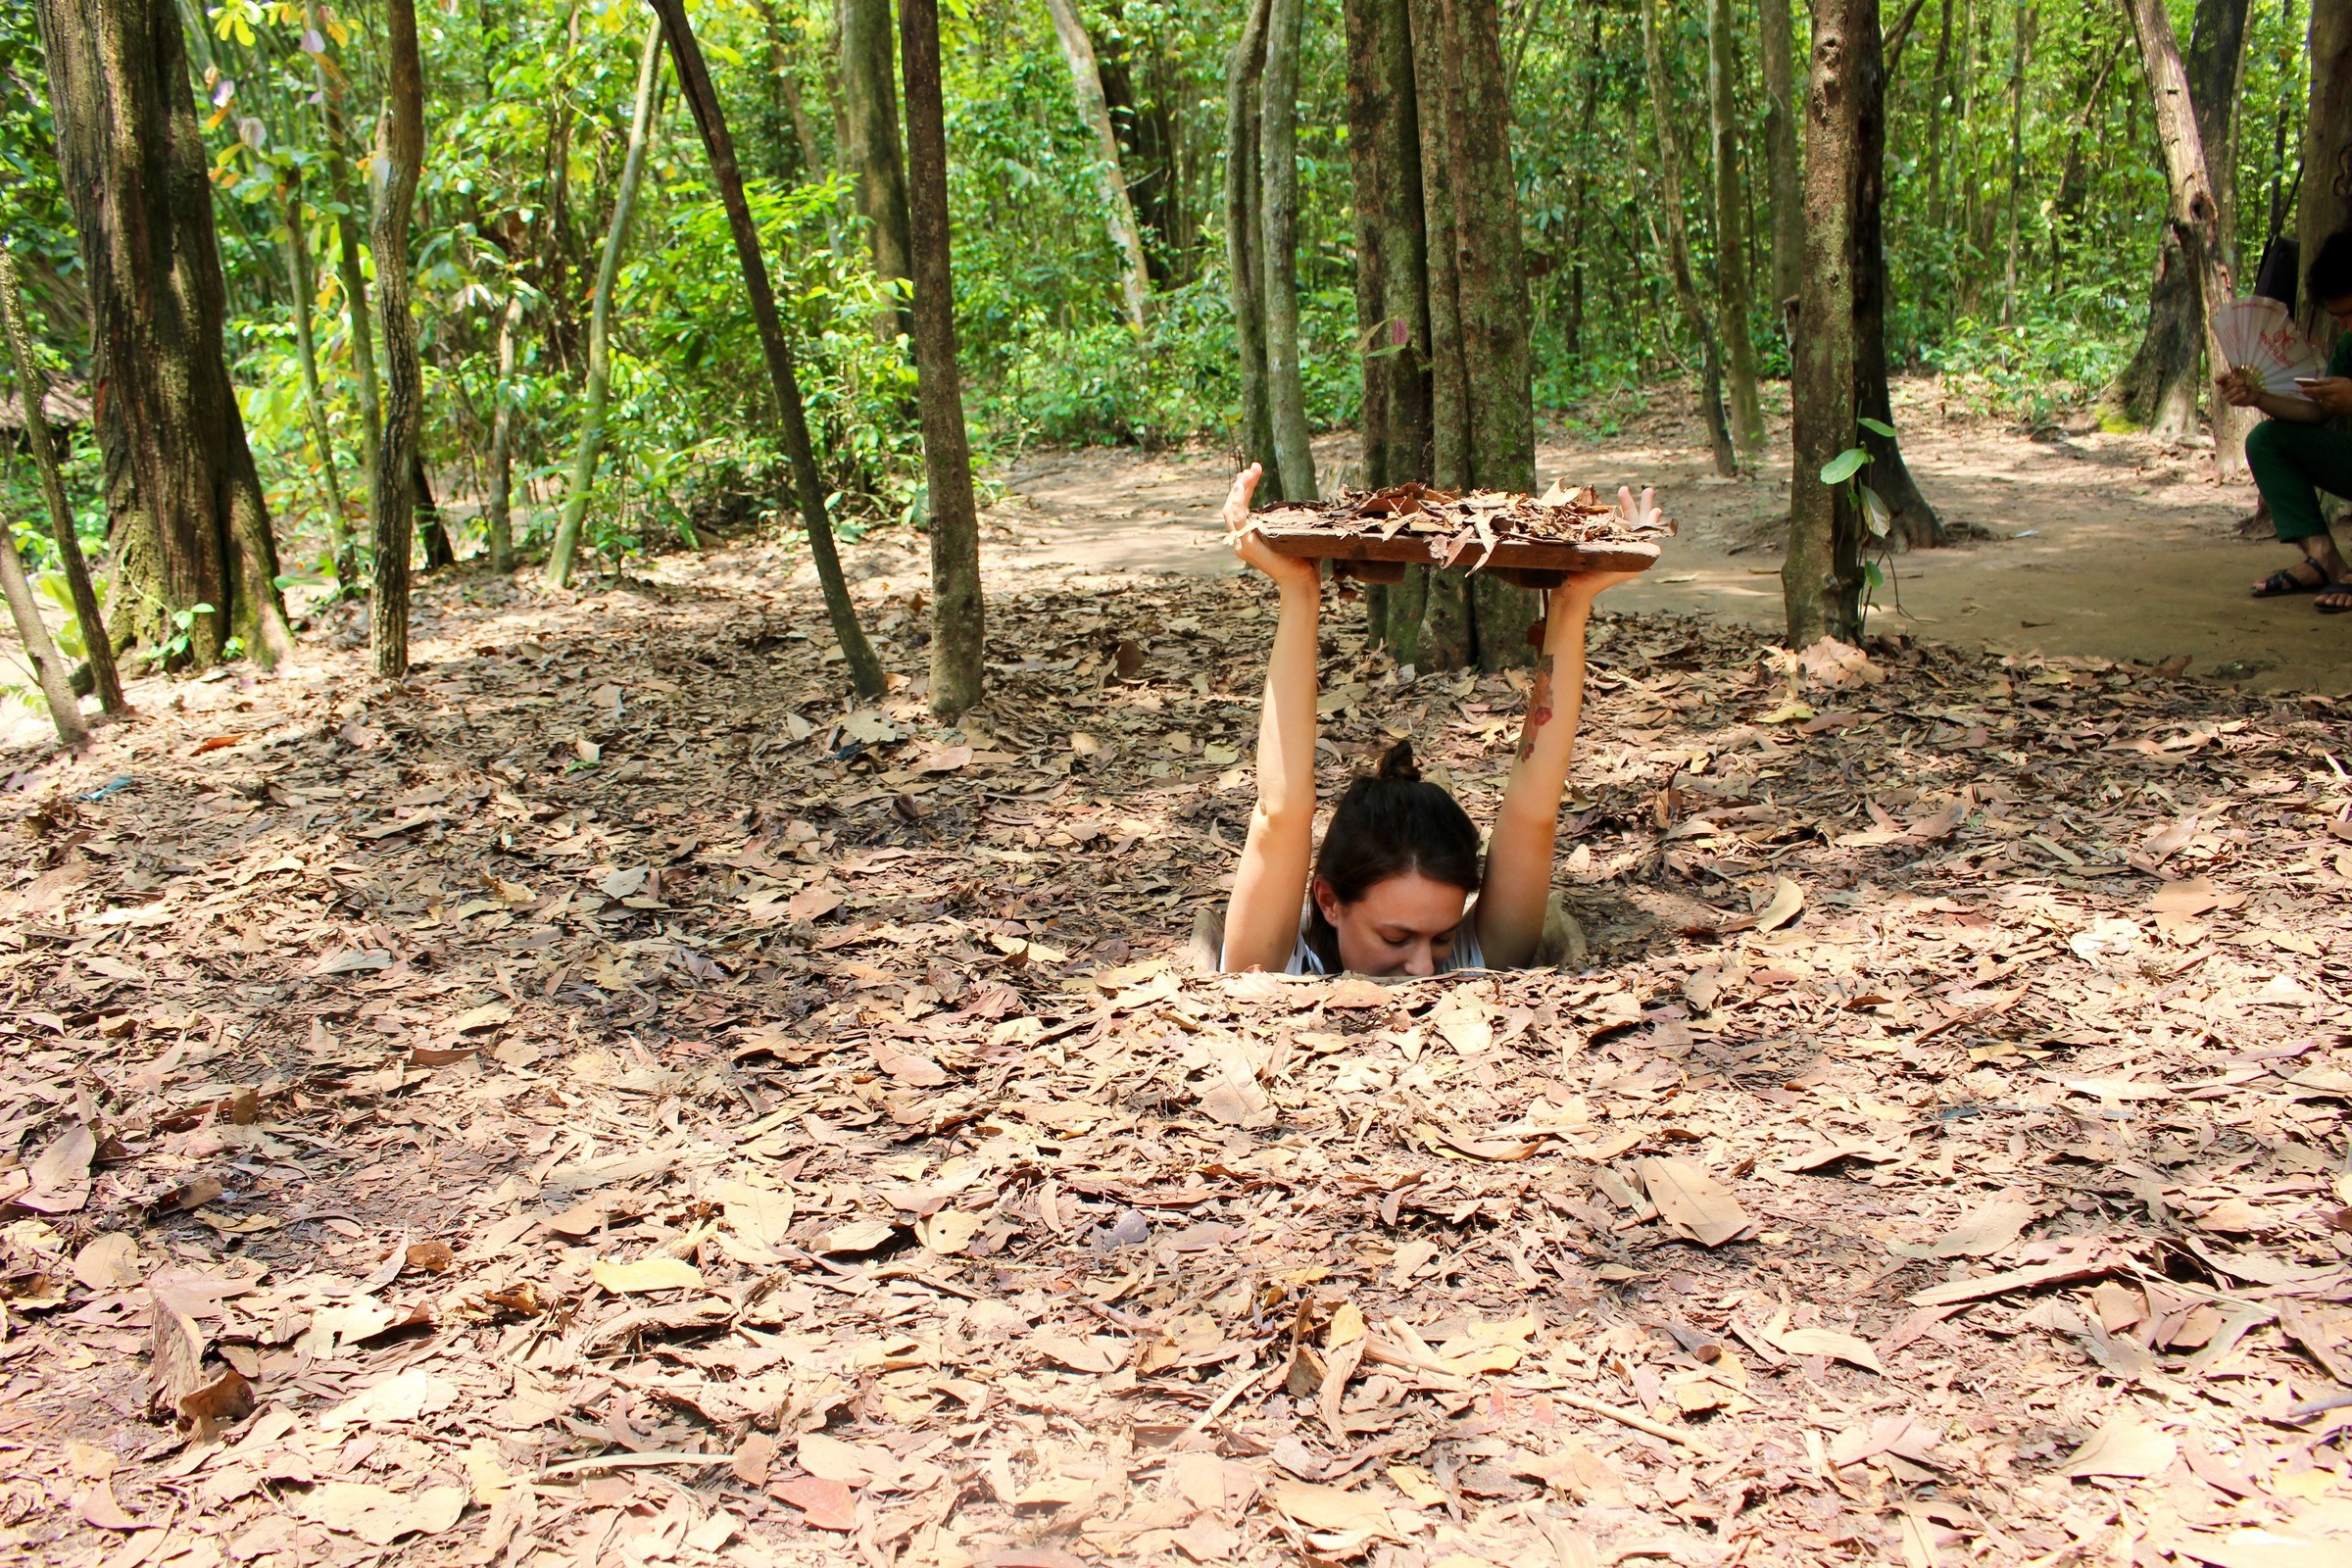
609	1100
2087	543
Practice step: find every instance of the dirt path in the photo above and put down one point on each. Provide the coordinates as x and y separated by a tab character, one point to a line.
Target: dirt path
2090	544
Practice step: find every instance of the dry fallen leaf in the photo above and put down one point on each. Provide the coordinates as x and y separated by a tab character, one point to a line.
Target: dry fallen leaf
1828	1343
2125	1445
658	1273
110	1261
1693	1201
1983	1230
1788	900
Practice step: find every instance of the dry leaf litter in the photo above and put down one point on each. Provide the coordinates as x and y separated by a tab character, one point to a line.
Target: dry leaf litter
605	1102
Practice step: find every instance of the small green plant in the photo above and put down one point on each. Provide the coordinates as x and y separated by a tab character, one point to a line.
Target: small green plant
1845	468
176	646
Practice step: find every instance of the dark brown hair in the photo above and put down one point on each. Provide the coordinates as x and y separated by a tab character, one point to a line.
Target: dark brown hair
1391	823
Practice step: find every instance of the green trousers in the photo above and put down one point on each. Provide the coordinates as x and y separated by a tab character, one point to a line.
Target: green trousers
2292	464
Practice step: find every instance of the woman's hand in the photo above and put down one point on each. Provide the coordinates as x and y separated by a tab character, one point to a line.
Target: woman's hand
1641	514
2239	387
2334	393
1288	572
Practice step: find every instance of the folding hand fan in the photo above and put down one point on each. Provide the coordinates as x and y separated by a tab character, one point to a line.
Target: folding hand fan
2259	335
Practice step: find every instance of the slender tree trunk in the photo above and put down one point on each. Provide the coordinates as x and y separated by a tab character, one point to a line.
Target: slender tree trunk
1820	576
2159	387
2324	200
40	651
432	529
1677	244
2193	216
499	505
1937	90
1278	192
1730	250
1391	264
1450	387
2020	47
32	392
956	627
1392	301
772	127
1912	523
1244	246
187	520
305	354
1442	636
555	262
813	157
591	449
1776	37
1118	209
350	273
694	83
869	102
395	486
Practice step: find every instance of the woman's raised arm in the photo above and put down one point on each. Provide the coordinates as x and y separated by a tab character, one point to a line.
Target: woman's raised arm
1269	886
1518	881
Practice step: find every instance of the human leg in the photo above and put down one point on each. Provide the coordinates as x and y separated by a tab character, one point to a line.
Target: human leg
2291	465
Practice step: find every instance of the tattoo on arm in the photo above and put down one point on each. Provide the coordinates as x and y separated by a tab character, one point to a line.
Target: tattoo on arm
1538	706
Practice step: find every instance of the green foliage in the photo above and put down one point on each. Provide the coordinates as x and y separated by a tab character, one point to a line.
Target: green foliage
527	117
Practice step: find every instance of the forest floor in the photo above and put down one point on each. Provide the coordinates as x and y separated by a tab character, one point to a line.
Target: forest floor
604	1102
2081	542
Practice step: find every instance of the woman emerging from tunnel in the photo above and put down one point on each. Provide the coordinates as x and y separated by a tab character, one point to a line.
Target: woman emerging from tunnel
1389	891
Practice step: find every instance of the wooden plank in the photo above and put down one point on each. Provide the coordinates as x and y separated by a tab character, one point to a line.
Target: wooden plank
1509	556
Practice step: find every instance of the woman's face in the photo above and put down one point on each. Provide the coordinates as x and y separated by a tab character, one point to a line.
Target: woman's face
1404	925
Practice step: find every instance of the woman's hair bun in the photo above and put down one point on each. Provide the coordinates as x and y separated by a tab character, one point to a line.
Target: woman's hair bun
1397	764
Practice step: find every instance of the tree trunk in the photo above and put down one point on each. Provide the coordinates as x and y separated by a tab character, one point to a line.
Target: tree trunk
498	506
2324	205
869	102
1457	58
2020	45
395	483
186	517
32	388
1821	578
1731	251
350	273
305	354
2194	217
771	120
2160	386
1449	374
1677	244
1392	302
1784	200
1392	260
694	83
590	451
1939	88
1913	523
1244	246
432	529
48	666
957	628
1278	192
1118	209
1245	263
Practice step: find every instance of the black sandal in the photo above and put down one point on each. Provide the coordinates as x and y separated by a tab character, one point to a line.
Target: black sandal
2283	582
2343	588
